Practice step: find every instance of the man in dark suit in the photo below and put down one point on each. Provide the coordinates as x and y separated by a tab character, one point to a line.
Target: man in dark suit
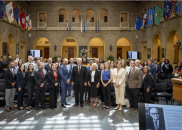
17	58
10	78
156	122
97	62
48	65
65	73
59	61
79	81
152	68
158	68
9	60
40	77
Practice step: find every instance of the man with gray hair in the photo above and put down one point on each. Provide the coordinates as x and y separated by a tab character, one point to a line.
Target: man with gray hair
97	62
79	81
30	61
70	86
48	65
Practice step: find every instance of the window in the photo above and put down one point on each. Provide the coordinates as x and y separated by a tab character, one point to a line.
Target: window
123	17
90	16
103	15
62	15
42	17
76	14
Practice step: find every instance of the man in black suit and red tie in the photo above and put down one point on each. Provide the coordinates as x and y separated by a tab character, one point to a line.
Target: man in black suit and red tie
79	81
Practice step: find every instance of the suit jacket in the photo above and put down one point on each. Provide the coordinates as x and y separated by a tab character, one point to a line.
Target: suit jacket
158	70
79	79
135	79
39	79
16	68
47	67
20	80
88	69
119	77
28	76
97	76
9	78
150	124
153	70
98	66
167	70
51	78
72	65
65	75
147	82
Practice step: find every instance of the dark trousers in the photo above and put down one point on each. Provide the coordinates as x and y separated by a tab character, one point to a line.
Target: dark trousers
133	96
107	93
30	90
40	95
101	94
20	97
167	76
53	97
79	90
89	91
146	97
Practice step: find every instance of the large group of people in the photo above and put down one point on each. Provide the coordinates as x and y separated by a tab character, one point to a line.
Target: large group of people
93	78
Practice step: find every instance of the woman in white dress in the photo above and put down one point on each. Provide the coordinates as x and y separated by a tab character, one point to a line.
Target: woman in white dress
119	85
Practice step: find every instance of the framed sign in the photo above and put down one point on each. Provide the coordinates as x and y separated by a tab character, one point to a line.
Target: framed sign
17	48
81	48
4	48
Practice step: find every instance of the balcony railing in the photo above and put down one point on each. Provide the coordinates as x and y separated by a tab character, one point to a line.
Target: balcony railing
41	26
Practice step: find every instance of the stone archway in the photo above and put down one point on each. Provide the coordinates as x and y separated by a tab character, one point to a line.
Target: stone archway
123	45
172	49
69	48
156	47
11	48
43	44
96	48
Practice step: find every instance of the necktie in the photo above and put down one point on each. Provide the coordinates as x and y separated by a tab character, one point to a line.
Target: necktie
12	72
79	70
129	73
155	125
71	67
42	74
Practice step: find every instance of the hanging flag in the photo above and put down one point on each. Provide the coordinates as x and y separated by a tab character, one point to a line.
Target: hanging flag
67	27
177	9
9	12
144	21
96	27
70	27
165	10
81	26
84	26
150	17
28	23
22	21
138	23
16	14
158	14
1	10
4	8
169	9
180	9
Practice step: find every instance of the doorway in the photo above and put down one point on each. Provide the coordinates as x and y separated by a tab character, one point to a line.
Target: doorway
119	53
46	53
70	53
95	52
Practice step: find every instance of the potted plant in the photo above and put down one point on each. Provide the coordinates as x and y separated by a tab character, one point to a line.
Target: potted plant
111	58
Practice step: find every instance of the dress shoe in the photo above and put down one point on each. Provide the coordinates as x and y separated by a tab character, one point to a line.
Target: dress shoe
81	105
136	111
63	105
11	108
102	103
8	110
88	101
120	109
28	109
66	104
129	108
76	104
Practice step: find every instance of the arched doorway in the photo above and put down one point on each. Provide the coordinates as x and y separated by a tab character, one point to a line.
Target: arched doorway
11	49
156	47
63	17
43	44
76	16
96	47
123	45
172	49
69	48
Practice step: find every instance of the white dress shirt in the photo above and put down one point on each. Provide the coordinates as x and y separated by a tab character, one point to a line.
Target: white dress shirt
92	76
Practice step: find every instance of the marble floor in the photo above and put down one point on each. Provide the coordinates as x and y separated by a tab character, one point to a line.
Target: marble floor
70	118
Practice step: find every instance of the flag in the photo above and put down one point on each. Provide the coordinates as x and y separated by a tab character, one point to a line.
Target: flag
4	8
144	17
16	14
81	26
96	28
165	11
28	23
9	12
22	20
70	27
158	14
150	17
169	6
177	9
84	27
67	27
180	9
1	10
138	23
